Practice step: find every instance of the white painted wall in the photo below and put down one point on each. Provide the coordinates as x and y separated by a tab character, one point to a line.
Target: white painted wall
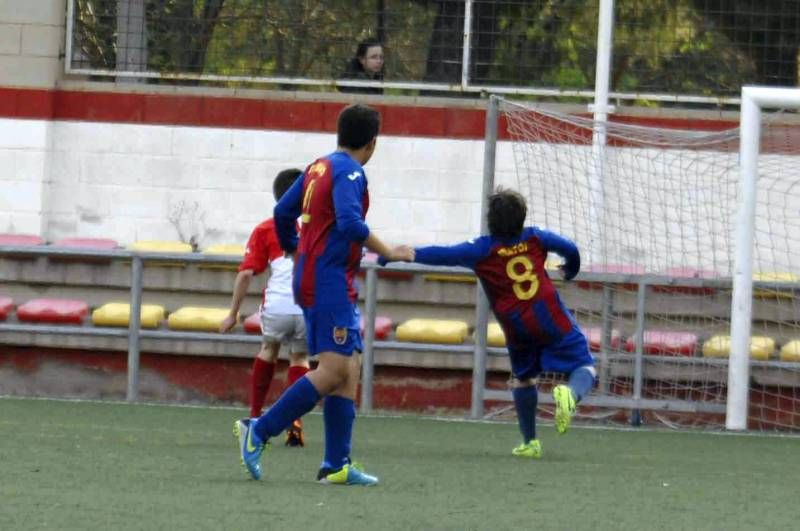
120	181
66	179
24	168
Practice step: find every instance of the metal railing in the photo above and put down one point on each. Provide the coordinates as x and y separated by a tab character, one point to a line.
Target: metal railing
480	393
676	51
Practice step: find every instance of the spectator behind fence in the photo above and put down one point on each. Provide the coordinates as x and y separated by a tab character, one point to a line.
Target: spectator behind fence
366	65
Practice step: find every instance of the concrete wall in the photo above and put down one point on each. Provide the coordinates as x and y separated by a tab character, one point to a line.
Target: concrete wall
127	181
31	42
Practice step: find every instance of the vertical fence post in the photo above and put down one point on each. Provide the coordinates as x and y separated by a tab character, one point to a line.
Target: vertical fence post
606	337
638	364
368	365
482	303
467	44
70	30
133	328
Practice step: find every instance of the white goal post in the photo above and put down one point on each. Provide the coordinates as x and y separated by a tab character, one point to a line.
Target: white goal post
754	99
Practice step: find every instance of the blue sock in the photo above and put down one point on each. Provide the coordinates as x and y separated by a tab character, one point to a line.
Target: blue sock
339	414
525	400
295	402
581	382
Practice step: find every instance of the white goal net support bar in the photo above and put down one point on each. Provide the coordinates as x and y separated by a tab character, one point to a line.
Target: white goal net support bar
691	259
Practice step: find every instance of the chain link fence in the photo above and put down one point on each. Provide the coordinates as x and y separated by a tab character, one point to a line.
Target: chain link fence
692	50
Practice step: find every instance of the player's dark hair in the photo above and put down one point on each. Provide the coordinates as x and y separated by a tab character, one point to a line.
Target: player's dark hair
507	211
284	180
357	125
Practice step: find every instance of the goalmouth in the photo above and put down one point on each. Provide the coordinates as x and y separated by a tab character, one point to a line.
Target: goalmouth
690	241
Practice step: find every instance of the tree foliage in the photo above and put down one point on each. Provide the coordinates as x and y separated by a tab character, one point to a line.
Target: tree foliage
671	46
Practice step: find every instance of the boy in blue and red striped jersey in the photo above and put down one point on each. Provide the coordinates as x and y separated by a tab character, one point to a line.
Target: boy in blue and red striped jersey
541	333
331	199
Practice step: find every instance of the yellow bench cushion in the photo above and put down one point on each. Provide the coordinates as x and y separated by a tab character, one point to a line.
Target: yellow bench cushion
761	347
774	276
495	336
791	351
232	249
159	246
225	249
197	318
119	314
432	331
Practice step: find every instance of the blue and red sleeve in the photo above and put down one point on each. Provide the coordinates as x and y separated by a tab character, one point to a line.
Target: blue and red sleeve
286	213
563	247
466	254
348	203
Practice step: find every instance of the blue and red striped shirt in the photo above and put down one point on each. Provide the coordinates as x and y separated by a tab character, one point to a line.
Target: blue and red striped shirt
331	200
512	272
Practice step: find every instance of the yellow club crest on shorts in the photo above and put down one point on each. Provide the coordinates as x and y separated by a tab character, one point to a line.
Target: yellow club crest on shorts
339	335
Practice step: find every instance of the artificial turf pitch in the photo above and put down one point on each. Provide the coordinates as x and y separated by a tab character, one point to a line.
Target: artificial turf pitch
88	465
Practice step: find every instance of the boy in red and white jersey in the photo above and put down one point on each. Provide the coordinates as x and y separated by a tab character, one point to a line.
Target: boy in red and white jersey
281	319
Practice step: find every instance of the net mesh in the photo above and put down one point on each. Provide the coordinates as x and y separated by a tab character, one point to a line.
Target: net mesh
660	205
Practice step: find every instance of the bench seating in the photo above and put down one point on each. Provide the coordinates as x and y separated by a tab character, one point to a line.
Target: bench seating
665	343
775	276
252	324
383	327
20	240
761	347
441	331
790	351
100	244
61	311
594	335
6	307
119	314
197	318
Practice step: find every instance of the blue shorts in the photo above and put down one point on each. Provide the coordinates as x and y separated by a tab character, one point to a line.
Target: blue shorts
564	356
333	329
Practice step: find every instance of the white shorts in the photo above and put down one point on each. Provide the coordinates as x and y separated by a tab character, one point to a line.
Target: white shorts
286	329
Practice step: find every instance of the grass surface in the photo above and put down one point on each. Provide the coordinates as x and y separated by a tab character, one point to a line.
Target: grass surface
81	465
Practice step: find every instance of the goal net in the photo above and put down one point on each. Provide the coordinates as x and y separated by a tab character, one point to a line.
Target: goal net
654	211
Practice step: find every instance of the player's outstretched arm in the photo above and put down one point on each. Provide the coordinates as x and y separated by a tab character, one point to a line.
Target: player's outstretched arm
464	254
564	248
399	253
240	286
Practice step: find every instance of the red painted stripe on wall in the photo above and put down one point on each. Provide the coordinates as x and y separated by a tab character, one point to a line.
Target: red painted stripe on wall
292	115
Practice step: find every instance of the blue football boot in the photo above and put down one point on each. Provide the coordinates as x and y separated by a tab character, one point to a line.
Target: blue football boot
250	446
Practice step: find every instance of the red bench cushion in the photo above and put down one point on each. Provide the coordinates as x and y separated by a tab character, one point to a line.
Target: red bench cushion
252	325
665	342
383	326
53	311
22	240
6	307
595	337
87	243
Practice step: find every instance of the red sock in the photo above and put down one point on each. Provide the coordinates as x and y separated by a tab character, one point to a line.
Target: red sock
294	373
259	385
